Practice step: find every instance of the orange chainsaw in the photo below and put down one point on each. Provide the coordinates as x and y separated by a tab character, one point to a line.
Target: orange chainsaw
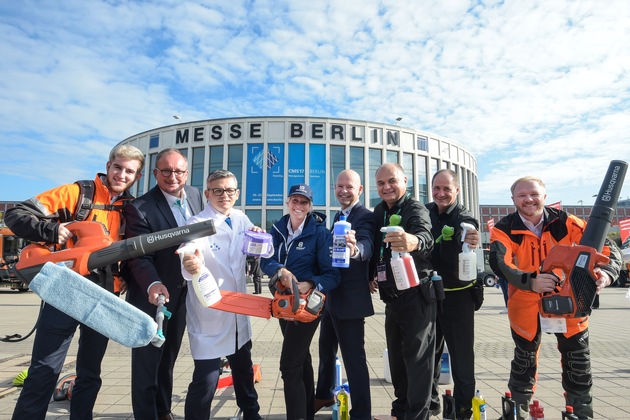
576	291
290	305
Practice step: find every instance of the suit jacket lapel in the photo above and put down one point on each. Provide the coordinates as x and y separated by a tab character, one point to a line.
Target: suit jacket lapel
192	202
164	208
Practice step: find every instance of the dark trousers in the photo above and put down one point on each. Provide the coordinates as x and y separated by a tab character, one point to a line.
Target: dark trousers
456	326
503	284
204	384
577	378
52	340
296	368
254	271
410	335
152	367
349	335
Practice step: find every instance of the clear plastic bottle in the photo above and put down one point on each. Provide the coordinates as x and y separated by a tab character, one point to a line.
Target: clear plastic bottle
341	252
467	258
338	380
478	407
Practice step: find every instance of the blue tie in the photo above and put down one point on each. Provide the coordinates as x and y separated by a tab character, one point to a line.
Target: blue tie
182	208
228	221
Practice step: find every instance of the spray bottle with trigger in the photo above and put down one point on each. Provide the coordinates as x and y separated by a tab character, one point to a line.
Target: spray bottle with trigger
203	282
160	314
467	258
403	266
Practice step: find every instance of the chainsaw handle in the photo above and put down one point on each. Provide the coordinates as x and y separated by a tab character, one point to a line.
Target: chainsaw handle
296	295
565	257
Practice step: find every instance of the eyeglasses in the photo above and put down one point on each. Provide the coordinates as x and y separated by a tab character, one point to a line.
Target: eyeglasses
219	191
167	173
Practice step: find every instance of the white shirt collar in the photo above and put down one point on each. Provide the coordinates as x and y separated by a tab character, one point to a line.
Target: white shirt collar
536	228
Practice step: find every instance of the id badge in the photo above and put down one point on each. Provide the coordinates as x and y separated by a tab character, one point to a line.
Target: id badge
381	272
553	325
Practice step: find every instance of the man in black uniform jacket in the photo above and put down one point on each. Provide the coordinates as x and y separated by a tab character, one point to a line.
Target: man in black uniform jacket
456	322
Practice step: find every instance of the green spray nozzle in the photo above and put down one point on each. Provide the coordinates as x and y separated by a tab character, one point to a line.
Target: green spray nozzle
447	234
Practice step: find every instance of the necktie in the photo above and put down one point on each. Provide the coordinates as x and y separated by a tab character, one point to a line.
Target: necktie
228	221
182	207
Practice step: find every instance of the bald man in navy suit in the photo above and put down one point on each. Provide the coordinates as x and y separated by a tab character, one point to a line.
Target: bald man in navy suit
343	321
165	206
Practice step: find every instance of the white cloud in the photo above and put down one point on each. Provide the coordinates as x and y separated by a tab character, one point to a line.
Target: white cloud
531	87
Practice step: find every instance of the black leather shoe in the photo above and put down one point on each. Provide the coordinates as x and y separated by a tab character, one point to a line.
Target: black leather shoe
435	409
319	403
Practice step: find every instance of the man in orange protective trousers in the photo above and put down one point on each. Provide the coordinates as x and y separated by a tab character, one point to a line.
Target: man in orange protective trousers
44	218
519	244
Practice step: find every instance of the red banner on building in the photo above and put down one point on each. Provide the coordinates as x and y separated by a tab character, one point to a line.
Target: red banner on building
490	224
557	205
624	229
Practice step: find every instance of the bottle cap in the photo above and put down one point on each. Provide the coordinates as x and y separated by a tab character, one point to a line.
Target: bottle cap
508	394
448	392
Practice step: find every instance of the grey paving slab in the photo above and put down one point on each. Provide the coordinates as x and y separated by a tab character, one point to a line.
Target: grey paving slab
609	337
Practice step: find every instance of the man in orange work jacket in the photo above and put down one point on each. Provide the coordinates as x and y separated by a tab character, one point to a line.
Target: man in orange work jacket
43	218
519	244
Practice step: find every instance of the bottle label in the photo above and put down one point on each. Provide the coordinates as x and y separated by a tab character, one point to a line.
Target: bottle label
208	289
400	274
340	253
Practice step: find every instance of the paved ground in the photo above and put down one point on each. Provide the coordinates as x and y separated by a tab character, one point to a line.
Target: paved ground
610	344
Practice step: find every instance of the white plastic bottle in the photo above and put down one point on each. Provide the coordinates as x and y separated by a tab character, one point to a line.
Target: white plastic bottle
341	251
467	258
403	266
203	282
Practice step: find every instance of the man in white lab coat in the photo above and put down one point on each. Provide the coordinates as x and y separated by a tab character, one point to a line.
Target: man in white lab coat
213	333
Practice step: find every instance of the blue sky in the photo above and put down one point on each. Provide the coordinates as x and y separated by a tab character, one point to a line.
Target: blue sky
531	87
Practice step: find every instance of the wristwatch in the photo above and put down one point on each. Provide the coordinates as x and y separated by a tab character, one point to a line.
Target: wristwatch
419	247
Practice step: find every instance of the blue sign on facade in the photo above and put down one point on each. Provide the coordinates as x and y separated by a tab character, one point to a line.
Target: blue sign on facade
255	161
317	173
275	173
297	163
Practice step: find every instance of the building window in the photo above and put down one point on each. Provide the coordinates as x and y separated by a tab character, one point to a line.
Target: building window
337	164
255	216
408	167
235	164
153	163
391	156
422	143
197	164
272	217
423	196
317	173
357	163
434	167
154	141
216	158
375	158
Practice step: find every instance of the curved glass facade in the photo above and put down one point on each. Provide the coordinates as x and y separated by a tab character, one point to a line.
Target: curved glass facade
269	154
